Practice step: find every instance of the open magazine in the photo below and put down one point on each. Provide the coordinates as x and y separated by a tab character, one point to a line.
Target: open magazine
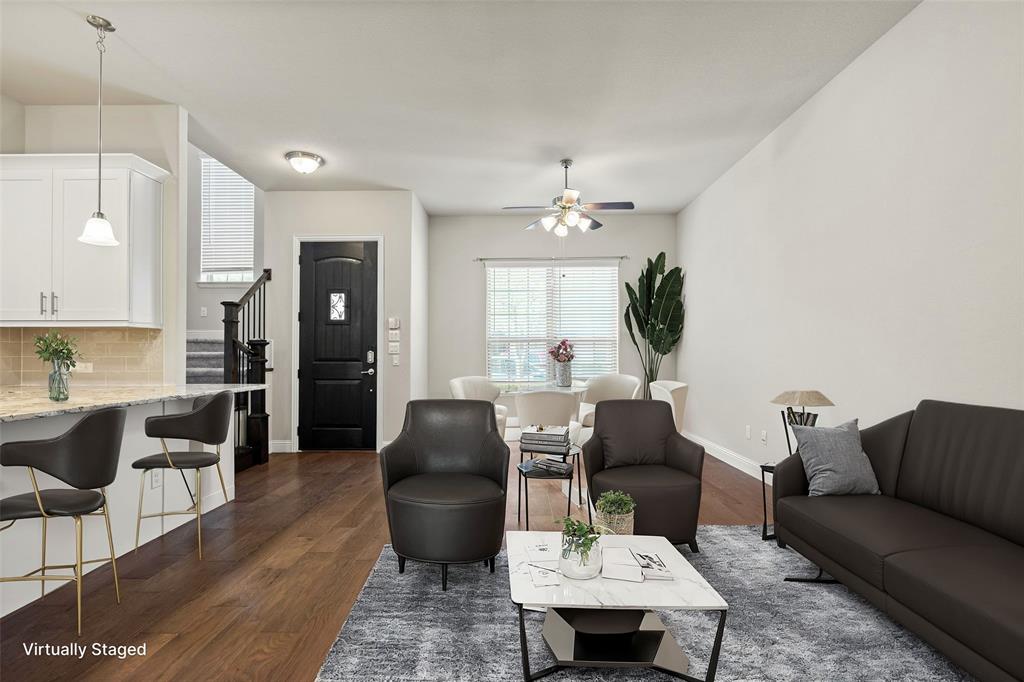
624	563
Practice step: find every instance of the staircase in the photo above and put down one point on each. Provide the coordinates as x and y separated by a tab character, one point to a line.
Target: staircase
204	361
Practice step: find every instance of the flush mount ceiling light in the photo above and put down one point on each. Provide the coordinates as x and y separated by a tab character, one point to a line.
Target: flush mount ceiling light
304	162
97	230
567	211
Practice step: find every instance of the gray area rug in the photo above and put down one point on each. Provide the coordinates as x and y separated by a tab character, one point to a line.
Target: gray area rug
403	627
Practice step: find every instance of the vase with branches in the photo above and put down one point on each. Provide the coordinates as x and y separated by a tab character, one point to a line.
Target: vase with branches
62	352
655	314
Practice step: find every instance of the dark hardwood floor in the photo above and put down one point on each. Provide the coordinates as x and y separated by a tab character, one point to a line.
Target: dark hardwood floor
283	564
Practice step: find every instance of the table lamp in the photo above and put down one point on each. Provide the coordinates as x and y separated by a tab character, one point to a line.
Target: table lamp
803	400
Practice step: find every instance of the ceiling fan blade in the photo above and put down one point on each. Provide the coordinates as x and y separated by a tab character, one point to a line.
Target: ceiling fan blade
532	208
594	224
609	206
570	196
534	225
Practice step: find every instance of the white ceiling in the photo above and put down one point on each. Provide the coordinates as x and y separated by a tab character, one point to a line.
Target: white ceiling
470	105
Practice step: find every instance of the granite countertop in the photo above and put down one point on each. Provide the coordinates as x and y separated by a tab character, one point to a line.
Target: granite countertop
31	402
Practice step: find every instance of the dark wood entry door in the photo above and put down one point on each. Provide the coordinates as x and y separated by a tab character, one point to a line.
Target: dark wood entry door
338	367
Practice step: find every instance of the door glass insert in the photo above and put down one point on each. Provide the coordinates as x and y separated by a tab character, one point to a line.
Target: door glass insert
338	311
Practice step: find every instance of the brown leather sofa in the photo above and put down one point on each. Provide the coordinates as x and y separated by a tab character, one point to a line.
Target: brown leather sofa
445	478
636	449
941	550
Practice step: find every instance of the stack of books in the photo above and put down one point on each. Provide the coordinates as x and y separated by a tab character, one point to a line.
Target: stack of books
548	440
546	466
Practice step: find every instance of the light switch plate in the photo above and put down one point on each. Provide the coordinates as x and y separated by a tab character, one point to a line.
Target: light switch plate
394	335
394	348
202	311
394	361
394	323
156	479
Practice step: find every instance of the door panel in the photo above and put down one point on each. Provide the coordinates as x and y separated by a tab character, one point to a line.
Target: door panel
90	281
337	338
25	244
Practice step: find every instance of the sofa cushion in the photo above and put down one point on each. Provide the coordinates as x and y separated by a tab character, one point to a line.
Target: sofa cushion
973	593
965	461
445	489
859	531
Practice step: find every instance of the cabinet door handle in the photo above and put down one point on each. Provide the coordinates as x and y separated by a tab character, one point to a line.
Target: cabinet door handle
53	303
368	371
42	303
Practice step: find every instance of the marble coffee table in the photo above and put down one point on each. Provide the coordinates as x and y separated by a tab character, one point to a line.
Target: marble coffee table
603	623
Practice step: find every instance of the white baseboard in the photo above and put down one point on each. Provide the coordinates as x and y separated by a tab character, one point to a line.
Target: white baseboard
280	446
730	457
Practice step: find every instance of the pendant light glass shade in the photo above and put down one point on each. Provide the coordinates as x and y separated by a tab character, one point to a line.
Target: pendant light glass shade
549	221
561	230
98	231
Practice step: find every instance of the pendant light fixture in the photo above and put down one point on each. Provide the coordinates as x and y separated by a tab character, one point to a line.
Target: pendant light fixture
98	230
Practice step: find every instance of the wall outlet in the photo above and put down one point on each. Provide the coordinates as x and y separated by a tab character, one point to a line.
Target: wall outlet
394	348
748	431
156	478
84	367
202	311
394	360
764	437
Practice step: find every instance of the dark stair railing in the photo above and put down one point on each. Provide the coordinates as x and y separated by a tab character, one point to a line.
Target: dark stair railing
245	362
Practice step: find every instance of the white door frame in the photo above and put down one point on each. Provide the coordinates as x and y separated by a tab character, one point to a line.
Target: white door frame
381	324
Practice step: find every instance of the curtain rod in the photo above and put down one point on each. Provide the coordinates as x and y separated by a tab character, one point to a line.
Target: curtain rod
552	258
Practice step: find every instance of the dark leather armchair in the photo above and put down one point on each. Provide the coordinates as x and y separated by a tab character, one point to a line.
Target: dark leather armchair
445	478
636	449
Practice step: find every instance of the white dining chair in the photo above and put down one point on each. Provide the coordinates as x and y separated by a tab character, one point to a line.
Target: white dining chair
480	388
673	393
549	408
606	387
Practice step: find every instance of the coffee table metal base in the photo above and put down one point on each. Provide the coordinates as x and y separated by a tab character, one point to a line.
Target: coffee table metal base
613	638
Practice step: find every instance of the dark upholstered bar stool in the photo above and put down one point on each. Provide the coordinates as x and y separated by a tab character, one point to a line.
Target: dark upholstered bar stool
208	423
85	457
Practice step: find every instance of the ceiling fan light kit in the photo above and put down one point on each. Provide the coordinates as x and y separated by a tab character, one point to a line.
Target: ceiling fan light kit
567	211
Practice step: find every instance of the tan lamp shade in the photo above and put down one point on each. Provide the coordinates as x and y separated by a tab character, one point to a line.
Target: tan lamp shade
803	399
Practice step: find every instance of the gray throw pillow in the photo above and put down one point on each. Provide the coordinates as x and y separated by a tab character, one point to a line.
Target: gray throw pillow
834	460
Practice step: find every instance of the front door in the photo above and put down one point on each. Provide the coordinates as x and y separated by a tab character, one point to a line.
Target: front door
338	345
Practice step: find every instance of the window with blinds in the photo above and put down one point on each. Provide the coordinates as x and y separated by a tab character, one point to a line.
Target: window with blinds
228	222
531	306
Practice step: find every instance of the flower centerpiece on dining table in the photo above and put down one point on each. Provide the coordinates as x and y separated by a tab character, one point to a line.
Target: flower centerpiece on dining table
562	353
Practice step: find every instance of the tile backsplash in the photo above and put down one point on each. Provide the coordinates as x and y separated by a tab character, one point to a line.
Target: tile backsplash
118	356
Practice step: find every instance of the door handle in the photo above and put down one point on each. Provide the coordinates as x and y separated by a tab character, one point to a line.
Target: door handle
368	371
42	303
53	303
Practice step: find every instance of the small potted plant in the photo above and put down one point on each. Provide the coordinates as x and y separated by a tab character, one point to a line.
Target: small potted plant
563	355
615	512
62	352
581	554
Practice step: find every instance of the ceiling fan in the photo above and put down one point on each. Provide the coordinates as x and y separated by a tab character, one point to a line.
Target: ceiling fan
567	211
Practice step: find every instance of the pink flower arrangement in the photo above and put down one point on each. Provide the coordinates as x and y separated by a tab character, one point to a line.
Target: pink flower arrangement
562	351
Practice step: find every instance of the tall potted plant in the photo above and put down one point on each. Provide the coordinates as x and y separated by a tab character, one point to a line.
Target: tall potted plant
655	309
62	352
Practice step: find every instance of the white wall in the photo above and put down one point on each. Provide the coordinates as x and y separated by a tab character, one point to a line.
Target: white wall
871	247
457	289
384	213
12	126
159	134
210	295
417	342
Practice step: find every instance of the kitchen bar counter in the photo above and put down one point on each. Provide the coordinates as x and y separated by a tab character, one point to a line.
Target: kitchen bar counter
32	402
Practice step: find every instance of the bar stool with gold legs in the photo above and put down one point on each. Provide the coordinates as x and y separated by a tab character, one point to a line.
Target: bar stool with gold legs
208	423
85	457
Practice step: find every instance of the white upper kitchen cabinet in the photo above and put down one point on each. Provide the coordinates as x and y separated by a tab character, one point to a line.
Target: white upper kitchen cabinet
47	275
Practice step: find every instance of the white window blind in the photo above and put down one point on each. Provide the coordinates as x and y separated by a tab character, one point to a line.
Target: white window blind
531	306
228	218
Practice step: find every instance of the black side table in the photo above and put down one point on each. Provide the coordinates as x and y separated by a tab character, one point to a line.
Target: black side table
575	452
765	535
